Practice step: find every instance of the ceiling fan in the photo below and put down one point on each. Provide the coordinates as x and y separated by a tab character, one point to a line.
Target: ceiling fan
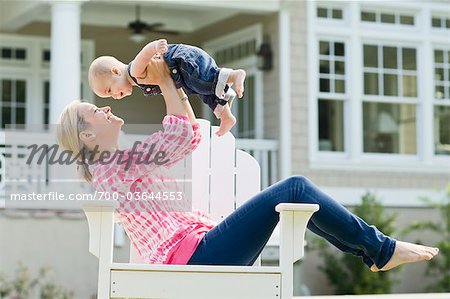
139	28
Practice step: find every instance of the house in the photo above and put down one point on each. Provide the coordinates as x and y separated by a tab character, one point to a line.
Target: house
354	95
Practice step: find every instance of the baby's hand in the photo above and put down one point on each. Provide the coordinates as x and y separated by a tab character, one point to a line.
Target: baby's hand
161	46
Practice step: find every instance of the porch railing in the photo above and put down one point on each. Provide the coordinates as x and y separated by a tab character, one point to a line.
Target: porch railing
265	152
35	177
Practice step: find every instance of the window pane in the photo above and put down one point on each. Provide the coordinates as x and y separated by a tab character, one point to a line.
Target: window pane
409	59
324	48
46	55
436	22
20	116
390	57
370	56
21	54
337	13
339	67
368	16
447	23
389	128
331	125
439	74
322	12
325	85
390	85
339	49
46	92
406	20
339	86
47	115
6	90
370	83
324	67
409	86
20	91
7	53
387	18
442	130
438	56
6	116
439	92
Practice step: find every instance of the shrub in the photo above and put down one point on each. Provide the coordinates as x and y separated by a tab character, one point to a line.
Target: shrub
439	267
22	285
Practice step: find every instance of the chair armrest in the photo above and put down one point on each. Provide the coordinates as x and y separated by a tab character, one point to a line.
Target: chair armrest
293	221
296	207
100	217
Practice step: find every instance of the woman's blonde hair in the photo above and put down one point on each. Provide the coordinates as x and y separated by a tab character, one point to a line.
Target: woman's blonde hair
70	124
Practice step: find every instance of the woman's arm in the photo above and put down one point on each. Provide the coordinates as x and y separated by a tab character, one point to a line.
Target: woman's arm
188	107
180	134
158	74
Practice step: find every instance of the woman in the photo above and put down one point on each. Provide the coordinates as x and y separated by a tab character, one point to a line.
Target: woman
162	234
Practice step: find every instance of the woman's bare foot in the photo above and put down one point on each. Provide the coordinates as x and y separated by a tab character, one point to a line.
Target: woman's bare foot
237	78
408	253
227	121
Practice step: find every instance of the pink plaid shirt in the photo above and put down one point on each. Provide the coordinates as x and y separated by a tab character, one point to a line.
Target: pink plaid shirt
161	231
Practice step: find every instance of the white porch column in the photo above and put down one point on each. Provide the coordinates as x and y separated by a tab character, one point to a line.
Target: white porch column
284	32
65	65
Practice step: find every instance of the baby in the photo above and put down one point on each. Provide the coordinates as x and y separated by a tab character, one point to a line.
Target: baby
192	69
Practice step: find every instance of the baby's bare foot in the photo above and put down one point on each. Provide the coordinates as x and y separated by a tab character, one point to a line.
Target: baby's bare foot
237	78
226	123
408	253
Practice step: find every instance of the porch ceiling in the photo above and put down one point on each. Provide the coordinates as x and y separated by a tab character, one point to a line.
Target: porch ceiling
180	15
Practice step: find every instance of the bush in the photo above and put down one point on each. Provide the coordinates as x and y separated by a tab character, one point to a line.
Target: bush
346	272
439	267
23	286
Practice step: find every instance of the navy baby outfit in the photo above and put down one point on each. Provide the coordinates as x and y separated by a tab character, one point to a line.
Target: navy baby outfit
192	69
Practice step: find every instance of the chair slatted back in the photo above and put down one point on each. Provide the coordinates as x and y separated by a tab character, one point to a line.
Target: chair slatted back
223	178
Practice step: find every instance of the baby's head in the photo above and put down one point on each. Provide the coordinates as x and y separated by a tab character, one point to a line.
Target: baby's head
108	78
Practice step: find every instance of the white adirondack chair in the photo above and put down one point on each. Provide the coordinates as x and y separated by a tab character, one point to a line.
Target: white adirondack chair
223	178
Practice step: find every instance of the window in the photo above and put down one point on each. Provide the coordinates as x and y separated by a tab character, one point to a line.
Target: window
238	50
442	101
379	86
331	67
10	53
245	112
330	13
387	18
13	101
390	76
332	95
46	108
390	71
24	78
440	22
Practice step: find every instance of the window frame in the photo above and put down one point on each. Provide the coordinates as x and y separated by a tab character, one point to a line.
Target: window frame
421	37
442	102
36	71
332	96
249	64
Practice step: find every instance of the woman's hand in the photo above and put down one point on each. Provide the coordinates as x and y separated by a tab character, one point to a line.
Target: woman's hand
157	72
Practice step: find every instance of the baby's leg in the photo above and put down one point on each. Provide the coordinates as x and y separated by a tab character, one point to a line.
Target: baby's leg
237	78
227	121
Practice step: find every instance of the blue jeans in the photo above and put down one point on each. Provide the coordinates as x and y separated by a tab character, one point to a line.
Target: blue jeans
240	238
195	71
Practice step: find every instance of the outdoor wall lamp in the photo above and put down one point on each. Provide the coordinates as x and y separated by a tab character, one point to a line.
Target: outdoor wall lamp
265	55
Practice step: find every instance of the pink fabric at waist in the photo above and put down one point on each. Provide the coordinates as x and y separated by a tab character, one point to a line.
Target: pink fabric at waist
183	251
